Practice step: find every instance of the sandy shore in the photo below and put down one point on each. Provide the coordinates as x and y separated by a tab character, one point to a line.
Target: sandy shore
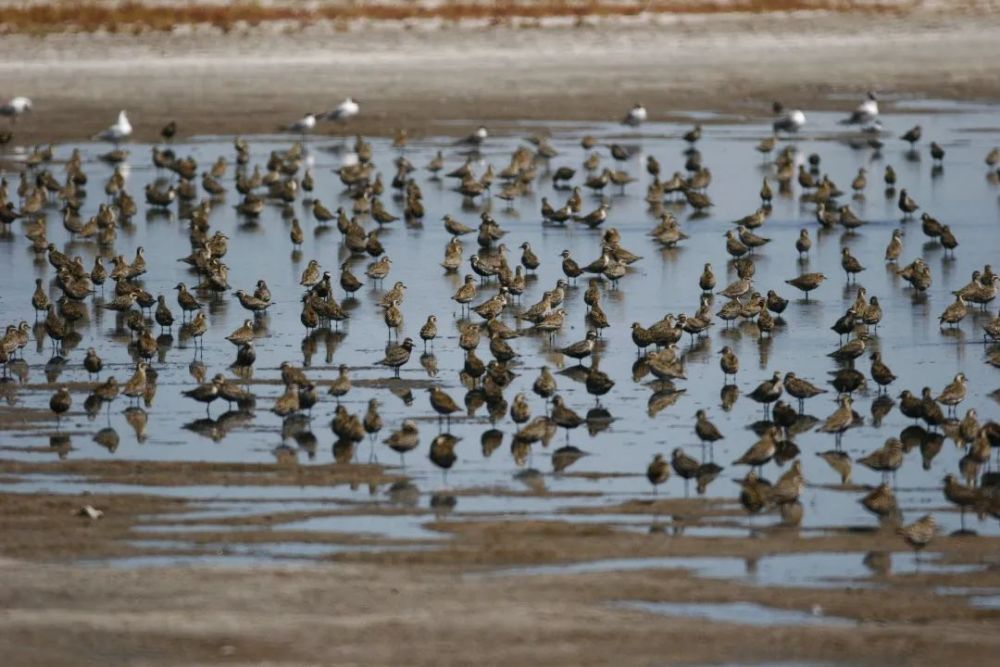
424	77
450	605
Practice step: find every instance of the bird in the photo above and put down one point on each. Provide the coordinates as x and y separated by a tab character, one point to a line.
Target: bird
205	393
887	459
397	356
636	116
477	138
119	131
787	120
658	471
15	106
60	402
705	429
406	439
807	282
912	135
840	420
303	125
343	112
580	350
919	533
341	385
954	392
800	389
442	403
866	112
768	391
564	416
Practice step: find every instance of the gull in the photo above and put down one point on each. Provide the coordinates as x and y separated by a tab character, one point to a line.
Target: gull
122	129
302	125
14	107
476	138
790	120
345	111
865	114
636	116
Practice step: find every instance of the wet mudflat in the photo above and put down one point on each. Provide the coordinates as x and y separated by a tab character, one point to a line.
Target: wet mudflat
248	487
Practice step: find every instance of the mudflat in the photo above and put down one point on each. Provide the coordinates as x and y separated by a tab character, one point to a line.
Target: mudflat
431	77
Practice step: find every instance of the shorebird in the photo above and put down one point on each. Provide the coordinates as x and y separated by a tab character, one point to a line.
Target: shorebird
866	112
706	430
963	496
953	393
344	111
919	533
580	350
787	120
404	440
658	471
881	373
545	384
565	417
397	356
14	107
881	502
803	243
840	420
761	451
477	138
117	132
887	459
768	391
303	125
636	116
912	135
729	363
205	393
443	404
800	389
895	247
60	402
807	282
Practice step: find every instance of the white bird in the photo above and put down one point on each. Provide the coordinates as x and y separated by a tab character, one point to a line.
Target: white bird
477	137
15	107
636	116
122	129
787	120
345	111
303	125
865	114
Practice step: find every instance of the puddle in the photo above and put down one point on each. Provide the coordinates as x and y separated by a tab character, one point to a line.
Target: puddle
174	428
745	613
811	570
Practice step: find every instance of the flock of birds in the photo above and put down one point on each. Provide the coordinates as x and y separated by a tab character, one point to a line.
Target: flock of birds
490	299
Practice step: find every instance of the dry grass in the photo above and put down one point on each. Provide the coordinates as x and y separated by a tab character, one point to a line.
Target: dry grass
134	16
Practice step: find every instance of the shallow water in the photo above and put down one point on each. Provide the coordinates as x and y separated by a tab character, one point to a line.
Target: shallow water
746	613
664	281
813	570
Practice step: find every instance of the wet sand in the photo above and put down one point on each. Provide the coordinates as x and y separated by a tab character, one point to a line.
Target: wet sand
438	79
449	610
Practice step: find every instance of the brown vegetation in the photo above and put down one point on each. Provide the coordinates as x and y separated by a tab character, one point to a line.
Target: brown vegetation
135	16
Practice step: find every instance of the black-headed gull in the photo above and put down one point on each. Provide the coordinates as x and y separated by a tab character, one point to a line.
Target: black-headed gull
787	120
303	125
345	111
121	130
865	114
15	106
476	138
636	116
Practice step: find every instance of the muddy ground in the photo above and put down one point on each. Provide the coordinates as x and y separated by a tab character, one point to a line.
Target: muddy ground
434	79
